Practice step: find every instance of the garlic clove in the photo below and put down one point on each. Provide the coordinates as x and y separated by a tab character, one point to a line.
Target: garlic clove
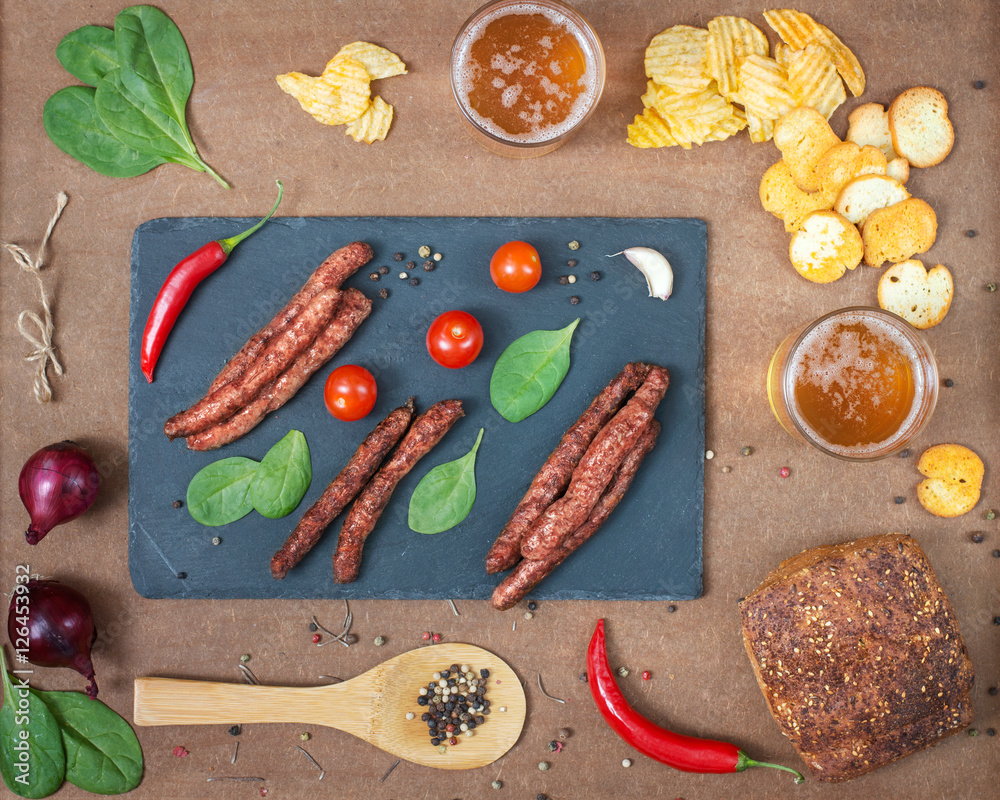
655	268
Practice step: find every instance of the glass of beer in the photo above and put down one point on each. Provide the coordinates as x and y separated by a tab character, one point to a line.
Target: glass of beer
858	383
526	74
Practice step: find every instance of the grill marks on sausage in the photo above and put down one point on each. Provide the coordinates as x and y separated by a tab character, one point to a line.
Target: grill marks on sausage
529	573
555	474
280	352
353	310
425	432
596	469
343	489
338	267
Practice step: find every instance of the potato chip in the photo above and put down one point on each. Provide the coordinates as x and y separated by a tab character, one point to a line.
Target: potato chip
730	126
373	125
783	54
813	80
763	87
650	130
761	130
692	117
377	61
676	58
649	98
798	29
730	40
339	96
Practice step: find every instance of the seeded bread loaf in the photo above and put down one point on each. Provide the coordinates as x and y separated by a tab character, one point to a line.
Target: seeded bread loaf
858	654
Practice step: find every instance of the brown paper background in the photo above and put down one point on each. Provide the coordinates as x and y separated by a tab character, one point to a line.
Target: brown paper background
251	133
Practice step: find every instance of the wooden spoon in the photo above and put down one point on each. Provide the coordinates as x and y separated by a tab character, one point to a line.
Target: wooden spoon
371	706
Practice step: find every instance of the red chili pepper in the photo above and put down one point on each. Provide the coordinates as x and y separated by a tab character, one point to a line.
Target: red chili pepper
686	753
179	285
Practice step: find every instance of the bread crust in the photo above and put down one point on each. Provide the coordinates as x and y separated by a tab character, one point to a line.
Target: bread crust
858	654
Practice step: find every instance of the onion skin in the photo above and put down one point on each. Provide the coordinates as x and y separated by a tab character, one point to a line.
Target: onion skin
60	628
57	484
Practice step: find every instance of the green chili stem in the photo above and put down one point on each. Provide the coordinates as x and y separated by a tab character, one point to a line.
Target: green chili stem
227	245
745	762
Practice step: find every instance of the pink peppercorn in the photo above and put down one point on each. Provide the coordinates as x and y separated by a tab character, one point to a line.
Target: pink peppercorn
646	675
436	637
316	638
180	752
453	741
425	635
784	472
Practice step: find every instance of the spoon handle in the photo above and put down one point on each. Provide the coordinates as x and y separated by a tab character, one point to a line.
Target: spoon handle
167	701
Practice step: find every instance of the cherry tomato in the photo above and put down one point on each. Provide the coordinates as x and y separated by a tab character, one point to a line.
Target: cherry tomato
515	267
454	339
350	392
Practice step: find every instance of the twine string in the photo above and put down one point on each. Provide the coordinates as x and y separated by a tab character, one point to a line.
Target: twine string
44	350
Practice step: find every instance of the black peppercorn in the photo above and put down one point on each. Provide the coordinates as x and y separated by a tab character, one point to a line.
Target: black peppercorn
996	620
383	270
183	575
411	264
312	627
484	673
383	293
574	300
178	504
428	266
563	280
979	84
996	554
990	732
541	796
422	701
970	233
414	281
435	741
397	256
572	263
904	453
374	276
595	275
235	730
949	382
899	500
994	691
671	609
977	537
583	677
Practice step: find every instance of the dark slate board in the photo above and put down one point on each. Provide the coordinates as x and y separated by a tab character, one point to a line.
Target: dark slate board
650	548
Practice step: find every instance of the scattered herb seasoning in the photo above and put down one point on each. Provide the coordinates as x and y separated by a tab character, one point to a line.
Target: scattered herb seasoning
977	538
595	275
528	615
383	293
979	84
970	233
423	251
497	785
178	504
180	752
899	500
545	693
244	658
411	264
456	704
563	280
235	730
572	263
374	276
972	732
379	641
574	301
454	609
383	270
414	281
784	472
623	671
398	256
991	287
428	266
555	747
949	382
574	245
746	451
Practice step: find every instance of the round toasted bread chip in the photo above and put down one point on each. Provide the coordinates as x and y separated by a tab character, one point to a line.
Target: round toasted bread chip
825	247
869	124
954	477
861	196
919	296
899	232
920	128
844	162
803	136
780	196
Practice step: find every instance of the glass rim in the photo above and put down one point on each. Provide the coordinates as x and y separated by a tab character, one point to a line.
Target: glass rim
588	32
928	400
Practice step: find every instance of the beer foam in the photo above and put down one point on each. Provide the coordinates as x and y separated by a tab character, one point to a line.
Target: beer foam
840	366
465	72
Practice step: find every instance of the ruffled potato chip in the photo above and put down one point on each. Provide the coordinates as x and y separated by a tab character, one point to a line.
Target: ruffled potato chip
730	40
763	87
761	130
813	79
692	117
378	62
650	130
340	95
797	29
730	126
676	58
373	125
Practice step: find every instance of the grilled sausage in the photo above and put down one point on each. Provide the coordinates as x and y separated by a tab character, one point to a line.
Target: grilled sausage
425	432
554	476
337	268
354	309
280	352
596	469
528	573
343	489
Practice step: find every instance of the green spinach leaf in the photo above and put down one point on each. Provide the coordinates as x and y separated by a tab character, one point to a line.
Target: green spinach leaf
283	476
32	757
445	495
103	754
74	126
529	371
156	71
88	53
220	493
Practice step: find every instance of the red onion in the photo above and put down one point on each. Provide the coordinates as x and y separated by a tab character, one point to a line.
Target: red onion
57	625
57	484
